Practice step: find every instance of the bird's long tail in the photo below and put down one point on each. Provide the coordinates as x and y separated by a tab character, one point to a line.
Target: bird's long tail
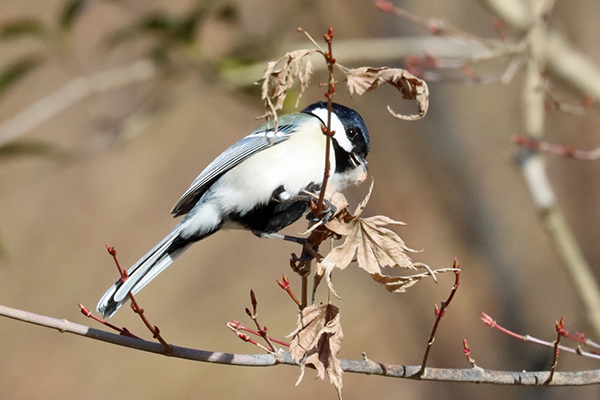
146	269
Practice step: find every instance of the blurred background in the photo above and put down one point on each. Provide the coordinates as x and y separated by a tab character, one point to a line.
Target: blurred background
109	110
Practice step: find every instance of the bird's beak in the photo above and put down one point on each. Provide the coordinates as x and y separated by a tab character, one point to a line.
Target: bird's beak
358	160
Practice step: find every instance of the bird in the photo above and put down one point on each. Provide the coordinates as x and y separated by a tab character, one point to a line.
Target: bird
259	184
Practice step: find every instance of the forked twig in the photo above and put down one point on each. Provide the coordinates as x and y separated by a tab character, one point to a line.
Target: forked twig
489	321
122	331
136	308
262	331
238	326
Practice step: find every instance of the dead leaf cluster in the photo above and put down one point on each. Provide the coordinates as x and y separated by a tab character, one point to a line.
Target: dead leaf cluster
364	79
277	82
317	341
373	245
297	65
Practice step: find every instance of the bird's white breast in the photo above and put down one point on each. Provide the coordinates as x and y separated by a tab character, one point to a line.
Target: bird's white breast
293	164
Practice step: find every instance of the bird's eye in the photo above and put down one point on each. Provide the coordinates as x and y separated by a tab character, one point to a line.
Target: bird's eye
352	132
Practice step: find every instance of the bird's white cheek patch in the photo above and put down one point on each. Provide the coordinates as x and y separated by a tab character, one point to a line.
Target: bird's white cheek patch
337	127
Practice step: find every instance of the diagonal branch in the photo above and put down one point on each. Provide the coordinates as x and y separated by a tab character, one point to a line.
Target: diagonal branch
534	171
72	93
561	58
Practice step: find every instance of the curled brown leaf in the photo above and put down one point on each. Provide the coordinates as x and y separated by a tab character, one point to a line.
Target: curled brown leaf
399	284
364	79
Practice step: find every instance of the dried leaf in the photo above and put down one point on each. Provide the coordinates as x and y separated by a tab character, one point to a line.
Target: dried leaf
317	340
373	244
399	284
276	83
364	79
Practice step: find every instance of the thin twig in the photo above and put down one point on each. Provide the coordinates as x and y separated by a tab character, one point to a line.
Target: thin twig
122	331
560	327
320	207
248	339
433	25
236	325
136	308
262	331
467	351
285	285
557	149
489	321
439	313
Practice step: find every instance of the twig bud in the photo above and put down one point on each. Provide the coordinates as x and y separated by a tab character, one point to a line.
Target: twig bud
111	250
253	300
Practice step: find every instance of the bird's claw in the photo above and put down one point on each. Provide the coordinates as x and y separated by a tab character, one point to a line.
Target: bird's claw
323	216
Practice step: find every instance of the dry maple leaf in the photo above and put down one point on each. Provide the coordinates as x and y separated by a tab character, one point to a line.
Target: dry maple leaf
374	246
364	79
317	340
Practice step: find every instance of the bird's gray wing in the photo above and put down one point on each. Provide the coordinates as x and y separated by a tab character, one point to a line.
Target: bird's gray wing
260	139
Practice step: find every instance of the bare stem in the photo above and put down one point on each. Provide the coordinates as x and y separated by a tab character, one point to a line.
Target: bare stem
327	130
560	327
238	326
122	331
467	351
489	321
262	331
285	285
439	313
557	149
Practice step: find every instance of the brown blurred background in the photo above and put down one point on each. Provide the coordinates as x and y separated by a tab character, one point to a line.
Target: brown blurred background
109	167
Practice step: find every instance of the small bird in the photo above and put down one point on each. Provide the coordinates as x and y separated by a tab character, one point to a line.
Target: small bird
259	184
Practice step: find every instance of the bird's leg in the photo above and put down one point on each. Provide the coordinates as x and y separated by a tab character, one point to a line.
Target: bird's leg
288	238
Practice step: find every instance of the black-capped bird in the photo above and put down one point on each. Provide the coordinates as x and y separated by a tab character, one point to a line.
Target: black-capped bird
256	184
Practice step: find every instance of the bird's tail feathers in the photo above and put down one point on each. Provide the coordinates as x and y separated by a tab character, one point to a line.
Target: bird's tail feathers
141	273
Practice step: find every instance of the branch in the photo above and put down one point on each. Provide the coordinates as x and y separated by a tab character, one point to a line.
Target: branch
489	321
473	375
557	149
366	50
534	171
439	314
71	93
560	57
